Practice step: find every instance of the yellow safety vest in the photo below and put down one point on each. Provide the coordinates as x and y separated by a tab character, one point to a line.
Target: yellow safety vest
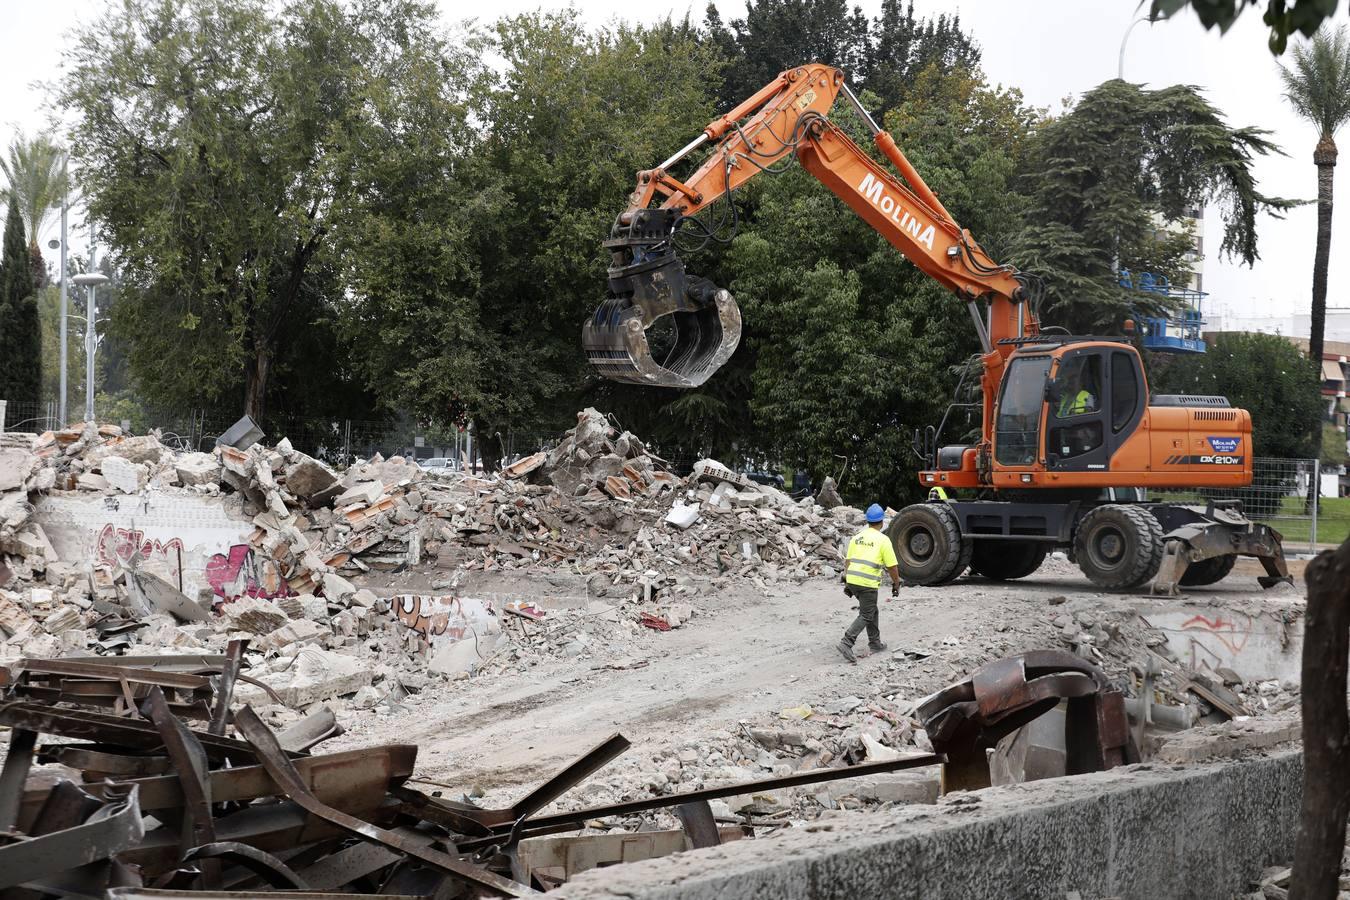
869	555
937	493
1077	405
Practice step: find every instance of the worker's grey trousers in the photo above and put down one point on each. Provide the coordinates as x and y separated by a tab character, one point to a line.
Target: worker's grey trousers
867	618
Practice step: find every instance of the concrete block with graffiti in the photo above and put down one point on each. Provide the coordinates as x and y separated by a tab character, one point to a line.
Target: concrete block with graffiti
1256	647
196	543
444	620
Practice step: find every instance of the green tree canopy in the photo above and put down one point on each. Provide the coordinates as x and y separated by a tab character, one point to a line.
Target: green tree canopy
1284	17
1265	374
35	180
203	131
1107	177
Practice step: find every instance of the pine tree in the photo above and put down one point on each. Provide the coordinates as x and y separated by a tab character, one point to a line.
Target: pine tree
20	336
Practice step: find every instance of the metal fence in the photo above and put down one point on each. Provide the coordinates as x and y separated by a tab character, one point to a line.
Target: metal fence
26	416
338	442
1284	494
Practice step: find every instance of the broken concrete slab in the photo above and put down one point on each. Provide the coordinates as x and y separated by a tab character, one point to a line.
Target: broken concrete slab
160	596
92	481
335	587
523	467
450	659
295	632
322	675
309	479
15	622
141	449
125	475
195	469
828	496
363	493
261	617
30	542
1229	739
15	467
62	620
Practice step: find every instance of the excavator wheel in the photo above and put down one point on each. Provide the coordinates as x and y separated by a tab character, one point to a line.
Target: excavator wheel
962	561
928	544
1006	560
1209	571
1119	546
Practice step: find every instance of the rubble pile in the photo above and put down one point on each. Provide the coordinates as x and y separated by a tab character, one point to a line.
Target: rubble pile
847	731
599	504
1130	649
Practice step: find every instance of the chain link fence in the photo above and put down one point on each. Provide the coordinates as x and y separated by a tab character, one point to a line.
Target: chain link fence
27	416
338	442
1284	494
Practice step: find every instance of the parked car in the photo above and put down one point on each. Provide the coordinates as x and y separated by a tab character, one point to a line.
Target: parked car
768	478
436	463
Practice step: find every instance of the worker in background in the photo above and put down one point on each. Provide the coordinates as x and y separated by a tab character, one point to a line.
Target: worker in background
937	494
870	553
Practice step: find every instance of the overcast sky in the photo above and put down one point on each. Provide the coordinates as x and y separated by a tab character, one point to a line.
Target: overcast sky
1051	49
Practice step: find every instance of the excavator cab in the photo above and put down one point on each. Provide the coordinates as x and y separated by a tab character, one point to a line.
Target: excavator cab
647	282
1091	398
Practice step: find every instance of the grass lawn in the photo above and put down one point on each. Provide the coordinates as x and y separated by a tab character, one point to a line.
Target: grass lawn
1333	521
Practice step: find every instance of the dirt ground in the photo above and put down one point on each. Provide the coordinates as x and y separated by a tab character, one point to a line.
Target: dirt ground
747	655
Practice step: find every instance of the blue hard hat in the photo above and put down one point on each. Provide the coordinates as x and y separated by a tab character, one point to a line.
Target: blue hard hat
875	513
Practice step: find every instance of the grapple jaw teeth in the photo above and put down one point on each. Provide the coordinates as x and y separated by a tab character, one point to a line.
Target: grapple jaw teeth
647	282
616	343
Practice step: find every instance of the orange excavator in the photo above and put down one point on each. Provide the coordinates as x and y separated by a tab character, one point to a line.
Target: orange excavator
1071	438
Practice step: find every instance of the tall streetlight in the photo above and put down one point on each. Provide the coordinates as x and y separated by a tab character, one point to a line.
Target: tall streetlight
92	280
1120	65
62	245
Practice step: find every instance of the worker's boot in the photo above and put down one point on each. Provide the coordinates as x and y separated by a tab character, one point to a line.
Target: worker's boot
846	650
878	647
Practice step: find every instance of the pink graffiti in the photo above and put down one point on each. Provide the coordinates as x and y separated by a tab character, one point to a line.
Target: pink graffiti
126	543
243	572
429	616
1226	631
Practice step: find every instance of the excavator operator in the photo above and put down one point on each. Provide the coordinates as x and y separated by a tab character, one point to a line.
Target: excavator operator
1078	397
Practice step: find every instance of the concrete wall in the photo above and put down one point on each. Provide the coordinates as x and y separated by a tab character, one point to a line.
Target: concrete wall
1142	832
195	543
1257	647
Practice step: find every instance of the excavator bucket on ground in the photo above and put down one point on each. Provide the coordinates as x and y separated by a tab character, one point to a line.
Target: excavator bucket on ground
647	282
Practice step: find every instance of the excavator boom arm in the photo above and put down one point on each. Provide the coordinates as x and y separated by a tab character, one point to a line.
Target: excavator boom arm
786	117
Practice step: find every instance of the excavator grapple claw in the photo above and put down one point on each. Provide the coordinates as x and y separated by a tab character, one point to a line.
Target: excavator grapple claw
647	282
616	343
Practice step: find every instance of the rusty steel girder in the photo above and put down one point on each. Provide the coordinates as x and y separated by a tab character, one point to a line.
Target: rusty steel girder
969	717
114	828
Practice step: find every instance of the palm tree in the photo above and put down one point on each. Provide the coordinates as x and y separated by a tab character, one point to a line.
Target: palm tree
35	178
1317	85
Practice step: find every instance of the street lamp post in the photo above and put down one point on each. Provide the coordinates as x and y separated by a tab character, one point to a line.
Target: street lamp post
65	206
92	280
1120	64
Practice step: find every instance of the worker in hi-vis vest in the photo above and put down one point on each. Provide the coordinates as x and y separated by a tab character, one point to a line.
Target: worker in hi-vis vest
870	553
